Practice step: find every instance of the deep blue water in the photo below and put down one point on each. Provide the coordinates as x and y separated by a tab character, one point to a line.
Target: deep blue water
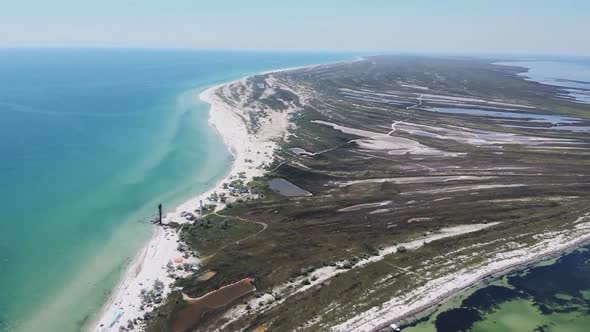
90	141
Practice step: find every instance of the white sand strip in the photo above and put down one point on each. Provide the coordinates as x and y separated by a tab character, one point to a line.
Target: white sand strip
440	289
322	274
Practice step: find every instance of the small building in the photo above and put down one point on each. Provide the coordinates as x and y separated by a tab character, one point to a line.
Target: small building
394	328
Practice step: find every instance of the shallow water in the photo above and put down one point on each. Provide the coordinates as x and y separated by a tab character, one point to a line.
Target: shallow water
551	296
547	118
90	142
286	188
570	73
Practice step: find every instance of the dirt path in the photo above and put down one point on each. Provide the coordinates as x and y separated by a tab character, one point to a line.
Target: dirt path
406	270
263	224
418	104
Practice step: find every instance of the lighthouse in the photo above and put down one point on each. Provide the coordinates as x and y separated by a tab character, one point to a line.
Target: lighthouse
160	213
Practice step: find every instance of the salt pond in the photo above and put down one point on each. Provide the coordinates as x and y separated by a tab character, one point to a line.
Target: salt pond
286	188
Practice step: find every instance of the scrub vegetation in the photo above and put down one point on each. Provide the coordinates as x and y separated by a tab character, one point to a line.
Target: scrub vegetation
384	168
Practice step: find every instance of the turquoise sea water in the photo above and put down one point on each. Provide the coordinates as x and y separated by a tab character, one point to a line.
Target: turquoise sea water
90	142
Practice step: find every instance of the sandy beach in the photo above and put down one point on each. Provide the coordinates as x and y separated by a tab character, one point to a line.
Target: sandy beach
250	154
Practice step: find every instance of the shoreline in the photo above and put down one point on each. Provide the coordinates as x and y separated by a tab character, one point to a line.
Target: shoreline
413	306
148	264
558	253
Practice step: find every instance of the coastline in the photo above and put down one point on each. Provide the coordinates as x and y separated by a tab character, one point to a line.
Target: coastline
435	292
560	252
149	264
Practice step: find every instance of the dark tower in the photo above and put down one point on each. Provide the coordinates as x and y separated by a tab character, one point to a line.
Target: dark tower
160	211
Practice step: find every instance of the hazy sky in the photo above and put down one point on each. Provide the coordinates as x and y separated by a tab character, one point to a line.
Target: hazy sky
531	26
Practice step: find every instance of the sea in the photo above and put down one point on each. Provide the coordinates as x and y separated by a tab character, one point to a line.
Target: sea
91	141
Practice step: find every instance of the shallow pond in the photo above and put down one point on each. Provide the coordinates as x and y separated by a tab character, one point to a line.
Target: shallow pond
548	118
187	318
286	188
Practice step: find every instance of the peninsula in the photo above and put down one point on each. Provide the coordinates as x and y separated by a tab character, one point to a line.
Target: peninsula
363	193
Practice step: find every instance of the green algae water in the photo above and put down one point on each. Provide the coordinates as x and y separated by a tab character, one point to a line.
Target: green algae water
551	296
91	141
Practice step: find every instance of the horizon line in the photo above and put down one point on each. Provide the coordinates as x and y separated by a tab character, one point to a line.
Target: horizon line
262	50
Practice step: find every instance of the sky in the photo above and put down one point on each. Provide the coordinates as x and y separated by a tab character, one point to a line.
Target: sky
446	26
